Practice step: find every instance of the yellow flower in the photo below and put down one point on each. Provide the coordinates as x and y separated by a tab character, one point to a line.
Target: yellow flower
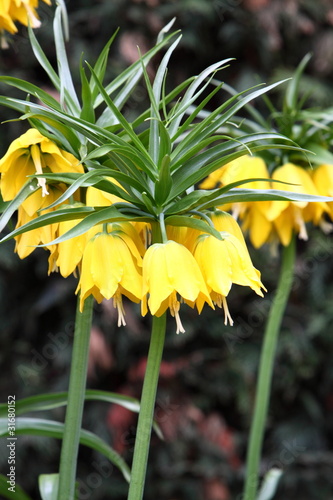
170	268
322	177
97	198
27	242
30	154
69	252
6	22
24	11
290	215
222	263
109	269
252	214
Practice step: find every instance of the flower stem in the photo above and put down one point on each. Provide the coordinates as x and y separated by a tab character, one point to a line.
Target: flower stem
142	441
76	394
265	371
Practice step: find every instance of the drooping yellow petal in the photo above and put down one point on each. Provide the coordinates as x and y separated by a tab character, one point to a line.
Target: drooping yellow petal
167	268
108	267
69	251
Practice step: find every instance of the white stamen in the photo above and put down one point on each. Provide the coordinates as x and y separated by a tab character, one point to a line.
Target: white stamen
34	21
303	235
221	301
36	158
118	303
180	328
227	315
174	307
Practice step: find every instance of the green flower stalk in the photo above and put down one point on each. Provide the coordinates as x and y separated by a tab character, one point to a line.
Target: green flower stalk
275	222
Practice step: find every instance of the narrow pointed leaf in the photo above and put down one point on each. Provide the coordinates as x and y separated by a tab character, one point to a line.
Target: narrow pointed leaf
238	195
101	65
29	188
51	428
42	59
292	92
31	89
55	400
87	111
192	222
51	218
190	96
5	493
67	90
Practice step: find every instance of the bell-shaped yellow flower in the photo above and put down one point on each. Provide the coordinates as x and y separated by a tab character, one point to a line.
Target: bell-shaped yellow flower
24	11
69	252
97	198
170	269
27	242
288	216
252	214
322	177
30	154
6	21
109	269
222	263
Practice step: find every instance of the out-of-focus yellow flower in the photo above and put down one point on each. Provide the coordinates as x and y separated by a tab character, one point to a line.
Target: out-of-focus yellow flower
97	198
222	263
170	269
23	11
288	216
252	214
69	252
30	154
322	177
6	21
26	243
109	269
223	221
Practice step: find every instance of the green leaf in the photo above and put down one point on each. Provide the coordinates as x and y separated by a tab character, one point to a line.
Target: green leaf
87	111
88	179
48	486
42	402
51	218
164	146
199	197
192	222
42	59
5	493
238	195
127	78
68	95
101	216
31	89
195	169
322	155
194	112
190	96
51	428
101	65
154	138
28	188
120	117
292	92
164	184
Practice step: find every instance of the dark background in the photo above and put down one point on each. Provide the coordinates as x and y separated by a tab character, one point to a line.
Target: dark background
208	374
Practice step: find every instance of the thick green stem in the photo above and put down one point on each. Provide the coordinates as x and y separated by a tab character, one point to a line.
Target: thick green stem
146	415
265	371
76	393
